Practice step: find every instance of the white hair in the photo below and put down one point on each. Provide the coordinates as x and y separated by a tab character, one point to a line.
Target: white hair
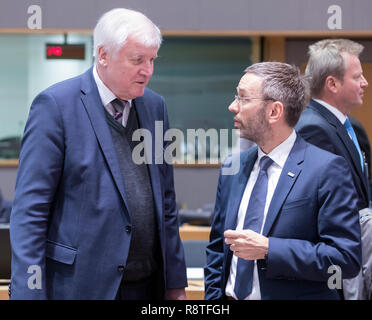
116	25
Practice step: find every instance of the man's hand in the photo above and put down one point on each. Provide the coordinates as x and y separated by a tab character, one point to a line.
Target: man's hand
175	294
247	244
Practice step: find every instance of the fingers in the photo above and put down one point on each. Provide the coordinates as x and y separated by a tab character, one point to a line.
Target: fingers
246	244
237	240
234	235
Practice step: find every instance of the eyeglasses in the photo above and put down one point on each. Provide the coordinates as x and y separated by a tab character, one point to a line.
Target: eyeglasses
247	99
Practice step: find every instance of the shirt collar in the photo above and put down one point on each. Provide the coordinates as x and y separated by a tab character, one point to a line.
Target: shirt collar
280	153
105	93
337	113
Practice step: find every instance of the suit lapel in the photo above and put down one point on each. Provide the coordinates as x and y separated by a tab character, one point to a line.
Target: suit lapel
238	185
344	137
93	106
289	175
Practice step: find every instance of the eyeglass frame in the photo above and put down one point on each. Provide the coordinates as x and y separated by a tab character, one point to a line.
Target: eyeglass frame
240	99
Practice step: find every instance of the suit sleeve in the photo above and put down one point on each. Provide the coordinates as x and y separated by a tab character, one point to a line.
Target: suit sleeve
338	241
175	260
40	166
213	271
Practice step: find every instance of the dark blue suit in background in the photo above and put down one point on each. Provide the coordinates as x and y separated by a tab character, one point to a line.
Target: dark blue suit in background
70	214
312	223
321	127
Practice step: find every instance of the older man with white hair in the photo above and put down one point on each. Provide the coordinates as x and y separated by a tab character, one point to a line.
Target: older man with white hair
87	221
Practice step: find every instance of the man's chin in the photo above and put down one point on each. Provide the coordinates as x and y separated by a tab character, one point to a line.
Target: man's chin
137	93
244	135
356	105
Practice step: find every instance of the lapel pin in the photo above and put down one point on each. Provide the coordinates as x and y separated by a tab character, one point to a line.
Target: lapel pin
291	174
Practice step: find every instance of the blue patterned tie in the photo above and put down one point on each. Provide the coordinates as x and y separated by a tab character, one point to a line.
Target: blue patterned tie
352	134
253	220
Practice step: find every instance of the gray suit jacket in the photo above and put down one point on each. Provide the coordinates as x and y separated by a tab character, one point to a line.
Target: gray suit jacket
360	287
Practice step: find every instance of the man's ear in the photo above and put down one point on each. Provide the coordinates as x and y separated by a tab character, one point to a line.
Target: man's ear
274	111
102	56
332	84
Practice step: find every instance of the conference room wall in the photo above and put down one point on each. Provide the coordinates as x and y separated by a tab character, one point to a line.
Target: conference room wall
196	15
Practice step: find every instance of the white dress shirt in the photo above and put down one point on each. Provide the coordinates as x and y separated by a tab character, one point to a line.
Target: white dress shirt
279	156
107	96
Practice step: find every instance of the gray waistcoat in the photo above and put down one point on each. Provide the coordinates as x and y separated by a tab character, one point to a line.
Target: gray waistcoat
143	251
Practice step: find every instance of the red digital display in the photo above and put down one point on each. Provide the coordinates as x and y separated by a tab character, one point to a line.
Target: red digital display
65	51
54	51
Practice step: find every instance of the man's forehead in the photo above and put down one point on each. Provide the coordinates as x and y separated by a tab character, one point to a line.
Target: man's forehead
134	46
351	61
250	82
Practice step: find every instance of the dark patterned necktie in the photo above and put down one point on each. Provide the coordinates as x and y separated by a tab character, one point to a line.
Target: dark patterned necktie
119	106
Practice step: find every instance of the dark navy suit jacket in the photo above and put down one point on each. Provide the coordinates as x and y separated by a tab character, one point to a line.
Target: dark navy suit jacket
312	223
70	216
320	127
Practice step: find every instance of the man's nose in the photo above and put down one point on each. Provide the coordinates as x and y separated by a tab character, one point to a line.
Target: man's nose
364	83
234	107
147	69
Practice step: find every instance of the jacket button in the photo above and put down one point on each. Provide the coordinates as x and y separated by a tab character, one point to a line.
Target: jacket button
120	268
128	229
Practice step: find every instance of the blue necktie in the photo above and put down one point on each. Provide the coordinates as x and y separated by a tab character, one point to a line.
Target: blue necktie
352	134
253	220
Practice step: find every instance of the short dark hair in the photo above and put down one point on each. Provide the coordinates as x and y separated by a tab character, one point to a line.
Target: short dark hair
283	82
